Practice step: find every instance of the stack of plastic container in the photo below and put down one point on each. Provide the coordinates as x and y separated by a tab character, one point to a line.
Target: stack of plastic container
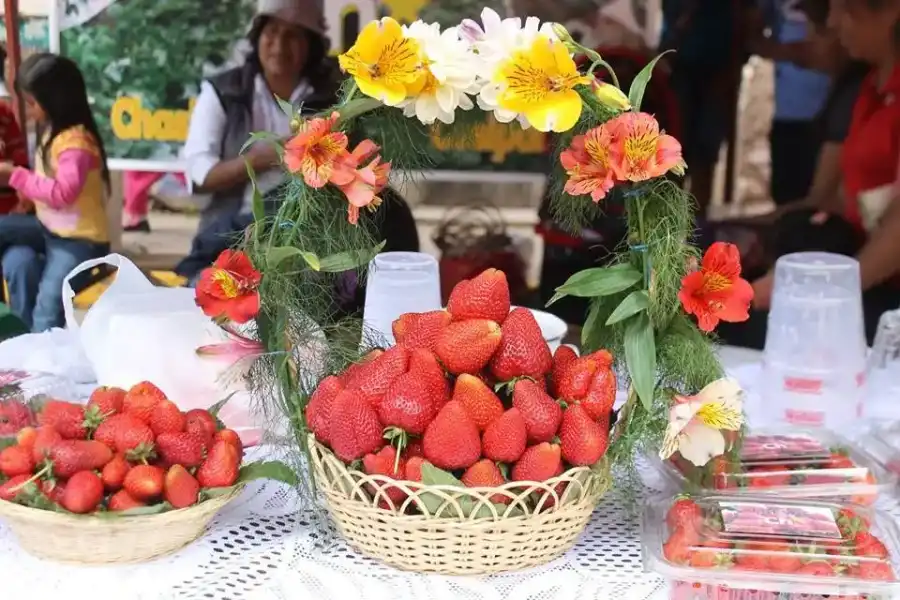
790	519
21	392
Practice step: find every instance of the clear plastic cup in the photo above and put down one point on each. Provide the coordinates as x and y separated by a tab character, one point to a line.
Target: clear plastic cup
814	361
398	283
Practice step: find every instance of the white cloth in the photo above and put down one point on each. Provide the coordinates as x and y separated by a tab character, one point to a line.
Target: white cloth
202	149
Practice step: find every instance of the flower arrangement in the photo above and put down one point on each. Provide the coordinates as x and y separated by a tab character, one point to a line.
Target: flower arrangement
652	308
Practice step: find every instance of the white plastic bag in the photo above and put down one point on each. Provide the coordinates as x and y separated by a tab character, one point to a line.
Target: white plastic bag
137	331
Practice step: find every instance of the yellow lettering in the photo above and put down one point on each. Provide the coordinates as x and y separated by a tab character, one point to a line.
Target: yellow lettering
497	139
131	121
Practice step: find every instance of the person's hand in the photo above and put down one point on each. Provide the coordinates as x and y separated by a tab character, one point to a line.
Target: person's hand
263	156
762	291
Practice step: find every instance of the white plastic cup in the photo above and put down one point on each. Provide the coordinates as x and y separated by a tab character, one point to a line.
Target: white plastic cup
815	356
398	283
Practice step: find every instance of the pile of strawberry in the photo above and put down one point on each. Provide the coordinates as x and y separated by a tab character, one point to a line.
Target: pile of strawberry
124	450
472	390
696	539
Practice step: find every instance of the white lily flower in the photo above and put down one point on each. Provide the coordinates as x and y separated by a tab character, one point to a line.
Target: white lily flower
452	73
696	422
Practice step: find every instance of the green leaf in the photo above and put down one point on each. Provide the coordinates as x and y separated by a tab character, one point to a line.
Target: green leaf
261	136
259	210
153	509
600	281
635	302
208	493
591	324
639	84
640	357
286	107
275	256
431	475
217	407
344	261
273	469
6	442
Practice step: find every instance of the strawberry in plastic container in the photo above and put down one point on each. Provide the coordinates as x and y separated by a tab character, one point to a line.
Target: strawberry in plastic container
15	412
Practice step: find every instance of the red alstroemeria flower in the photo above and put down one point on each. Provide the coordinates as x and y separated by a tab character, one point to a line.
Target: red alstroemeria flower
366	182
316	151
716	291
230	288
587	166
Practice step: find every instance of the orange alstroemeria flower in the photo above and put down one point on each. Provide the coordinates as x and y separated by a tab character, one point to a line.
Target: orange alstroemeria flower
230	288
316	151
640	151
587	164
367	182
716	291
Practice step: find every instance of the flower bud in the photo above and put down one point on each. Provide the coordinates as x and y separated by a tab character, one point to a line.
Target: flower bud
562	33
296	122
611	96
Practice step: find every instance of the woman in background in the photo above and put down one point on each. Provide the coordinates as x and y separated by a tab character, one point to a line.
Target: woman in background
68	187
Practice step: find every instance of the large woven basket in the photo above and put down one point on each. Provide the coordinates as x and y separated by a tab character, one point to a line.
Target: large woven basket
95	540
453	530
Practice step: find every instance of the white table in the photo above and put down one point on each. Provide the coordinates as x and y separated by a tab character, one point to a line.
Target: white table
266	545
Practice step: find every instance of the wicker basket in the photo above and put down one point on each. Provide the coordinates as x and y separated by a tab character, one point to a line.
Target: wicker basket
94	540
457	531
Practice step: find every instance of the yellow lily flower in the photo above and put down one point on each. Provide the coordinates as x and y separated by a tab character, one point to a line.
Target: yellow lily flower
539	83
383	62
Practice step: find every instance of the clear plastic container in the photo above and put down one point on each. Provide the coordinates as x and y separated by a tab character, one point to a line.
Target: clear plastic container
756	548
21	393
793	462
884	444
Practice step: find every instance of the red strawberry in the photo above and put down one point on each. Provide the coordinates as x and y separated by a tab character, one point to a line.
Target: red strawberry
601	395
485	296
576	381
53	490
200	422
479	401
318	411
385	463
583	441
467	346
83	493
141	399
407	405
876	571
684	513
751	557
354	368
768	476
167	418
232	437
14	415
784	559
538	463
26	437
374	378
122	500
523	352
43	440
562	359
866	544
414	468
452	441
10	489
108	400
180	489
71	456
355	429
16	460
505	438
414	448
65	417
114	472
221	467
486	473
542	414
145	482
848	520
186	449
818	568
677	549
124	433
424	364
420	330
710	558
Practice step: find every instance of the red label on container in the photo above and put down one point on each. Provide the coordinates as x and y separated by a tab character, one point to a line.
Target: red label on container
801	385
804	417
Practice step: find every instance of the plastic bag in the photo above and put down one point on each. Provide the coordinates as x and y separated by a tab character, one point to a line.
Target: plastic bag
137	331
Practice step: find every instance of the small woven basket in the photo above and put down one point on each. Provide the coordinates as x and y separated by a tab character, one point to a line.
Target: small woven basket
95	540
457	531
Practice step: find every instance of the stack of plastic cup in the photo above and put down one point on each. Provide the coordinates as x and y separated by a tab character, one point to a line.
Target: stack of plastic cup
815	357
398	283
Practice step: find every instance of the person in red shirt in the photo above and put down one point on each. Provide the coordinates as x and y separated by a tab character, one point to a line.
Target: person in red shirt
868	226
